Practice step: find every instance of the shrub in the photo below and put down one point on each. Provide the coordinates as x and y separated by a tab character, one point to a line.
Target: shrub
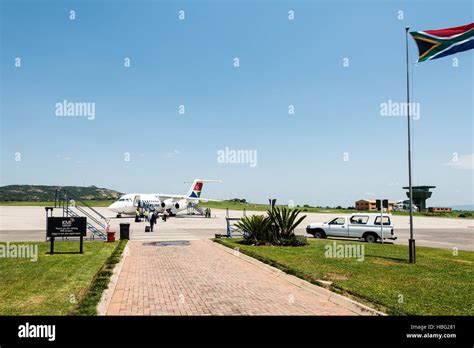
256	229
294	241
285	219
275	229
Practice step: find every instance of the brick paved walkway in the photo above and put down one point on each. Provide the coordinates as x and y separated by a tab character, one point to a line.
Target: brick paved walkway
202	279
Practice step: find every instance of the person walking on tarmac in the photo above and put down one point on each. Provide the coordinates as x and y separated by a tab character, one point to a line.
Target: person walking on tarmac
153	218
150	212
147	214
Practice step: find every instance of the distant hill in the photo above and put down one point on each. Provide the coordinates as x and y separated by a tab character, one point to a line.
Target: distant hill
32	193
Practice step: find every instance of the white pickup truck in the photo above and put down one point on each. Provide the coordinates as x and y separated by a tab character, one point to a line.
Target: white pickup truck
357	225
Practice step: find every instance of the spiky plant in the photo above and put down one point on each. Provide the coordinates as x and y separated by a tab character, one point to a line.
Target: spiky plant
286	220
256	228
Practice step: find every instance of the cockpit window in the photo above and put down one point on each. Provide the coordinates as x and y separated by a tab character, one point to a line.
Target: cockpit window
124	199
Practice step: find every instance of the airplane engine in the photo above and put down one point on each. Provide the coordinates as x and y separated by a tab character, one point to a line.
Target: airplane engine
167	204
181	204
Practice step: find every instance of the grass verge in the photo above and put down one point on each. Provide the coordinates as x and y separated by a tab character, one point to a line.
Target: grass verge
440	283
54	284
88	304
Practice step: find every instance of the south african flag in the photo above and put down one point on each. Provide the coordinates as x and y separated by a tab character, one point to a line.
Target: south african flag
434	44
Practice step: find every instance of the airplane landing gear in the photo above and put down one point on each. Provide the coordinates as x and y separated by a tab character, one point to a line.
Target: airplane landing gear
119	216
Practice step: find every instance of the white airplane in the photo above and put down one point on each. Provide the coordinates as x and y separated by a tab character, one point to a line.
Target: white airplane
128	204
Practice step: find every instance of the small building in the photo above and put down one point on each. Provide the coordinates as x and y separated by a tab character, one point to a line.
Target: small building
371	205
440	210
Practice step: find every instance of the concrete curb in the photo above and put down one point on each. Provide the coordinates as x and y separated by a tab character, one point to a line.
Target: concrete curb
103	305
354	306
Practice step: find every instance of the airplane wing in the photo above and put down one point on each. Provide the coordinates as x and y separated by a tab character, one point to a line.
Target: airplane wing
206	199
166	196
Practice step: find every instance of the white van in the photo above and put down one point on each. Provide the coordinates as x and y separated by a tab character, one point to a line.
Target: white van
357	225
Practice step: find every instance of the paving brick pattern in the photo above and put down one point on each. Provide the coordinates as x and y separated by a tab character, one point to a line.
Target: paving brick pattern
202	279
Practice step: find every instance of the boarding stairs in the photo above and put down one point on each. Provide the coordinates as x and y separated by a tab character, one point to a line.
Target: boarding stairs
75	207
194	209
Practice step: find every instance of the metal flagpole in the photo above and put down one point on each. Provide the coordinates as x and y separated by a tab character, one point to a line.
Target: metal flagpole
411	241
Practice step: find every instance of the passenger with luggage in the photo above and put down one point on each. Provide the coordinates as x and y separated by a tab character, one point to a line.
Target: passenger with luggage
153	218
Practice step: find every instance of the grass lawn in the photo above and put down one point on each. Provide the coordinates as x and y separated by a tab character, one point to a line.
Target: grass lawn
252	207
265	207
54	284
438	284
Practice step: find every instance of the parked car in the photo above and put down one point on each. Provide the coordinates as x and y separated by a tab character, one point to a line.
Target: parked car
357	225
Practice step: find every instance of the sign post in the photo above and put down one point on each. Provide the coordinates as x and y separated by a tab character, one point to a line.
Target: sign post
66	227
380	204
381	221
272	202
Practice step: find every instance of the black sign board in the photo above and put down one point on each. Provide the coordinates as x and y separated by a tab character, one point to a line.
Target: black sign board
384	203
66	227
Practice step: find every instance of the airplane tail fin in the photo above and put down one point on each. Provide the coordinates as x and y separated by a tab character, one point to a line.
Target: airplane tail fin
196	188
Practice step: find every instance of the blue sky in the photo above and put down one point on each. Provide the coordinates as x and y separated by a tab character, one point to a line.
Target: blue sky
283	62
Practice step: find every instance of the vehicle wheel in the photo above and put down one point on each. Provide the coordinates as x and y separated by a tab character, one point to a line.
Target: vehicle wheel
370	238
119	216
319	234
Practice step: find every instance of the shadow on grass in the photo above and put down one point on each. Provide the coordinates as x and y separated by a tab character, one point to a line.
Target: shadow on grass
64	252
393	259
